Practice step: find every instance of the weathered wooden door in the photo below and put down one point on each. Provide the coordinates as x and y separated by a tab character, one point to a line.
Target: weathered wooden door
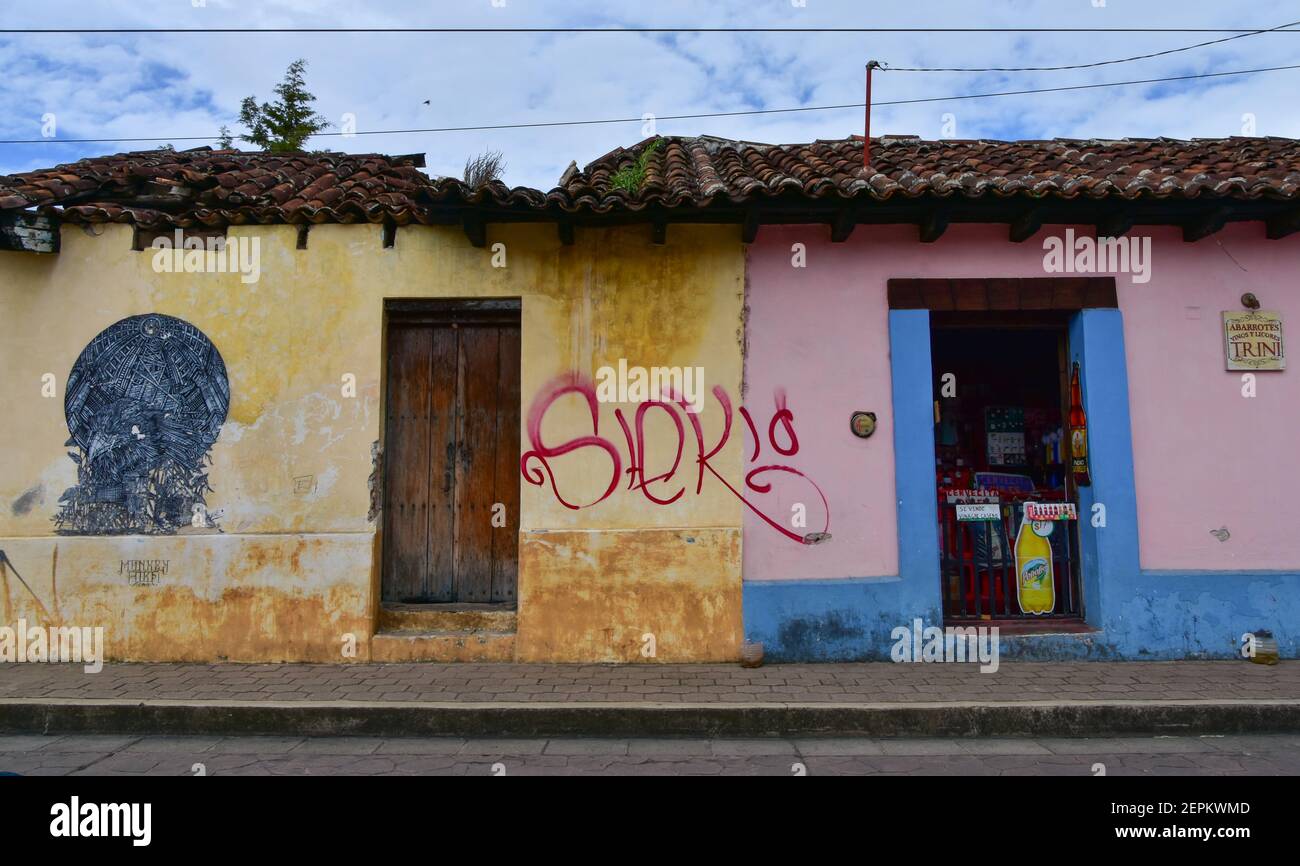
451	459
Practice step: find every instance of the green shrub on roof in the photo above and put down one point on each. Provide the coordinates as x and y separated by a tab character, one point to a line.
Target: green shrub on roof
630	177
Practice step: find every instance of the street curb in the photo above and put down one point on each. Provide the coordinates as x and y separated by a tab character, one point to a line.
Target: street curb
540	719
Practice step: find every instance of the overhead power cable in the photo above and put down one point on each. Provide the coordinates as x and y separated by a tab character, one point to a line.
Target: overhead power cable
702	115
328	30
888	68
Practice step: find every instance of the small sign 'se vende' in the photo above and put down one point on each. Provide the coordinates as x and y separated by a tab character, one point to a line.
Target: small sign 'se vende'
1252	340
978	512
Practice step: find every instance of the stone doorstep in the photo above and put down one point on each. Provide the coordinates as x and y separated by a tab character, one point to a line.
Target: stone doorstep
442	646
493	618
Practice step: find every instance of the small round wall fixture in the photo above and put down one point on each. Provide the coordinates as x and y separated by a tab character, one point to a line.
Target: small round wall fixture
863	424
1249	301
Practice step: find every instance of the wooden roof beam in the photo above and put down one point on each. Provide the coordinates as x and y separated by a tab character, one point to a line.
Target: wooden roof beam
934	223
1205	225
1026	225
749	227
26	232
475	228
1117	223
842	226
1283	224
565	229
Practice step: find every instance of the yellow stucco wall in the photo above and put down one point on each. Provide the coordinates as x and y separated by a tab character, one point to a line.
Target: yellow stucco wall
293	567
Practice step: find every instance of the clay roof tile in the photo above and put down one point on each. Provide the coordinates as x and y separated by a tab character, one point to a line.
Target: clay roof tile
217	187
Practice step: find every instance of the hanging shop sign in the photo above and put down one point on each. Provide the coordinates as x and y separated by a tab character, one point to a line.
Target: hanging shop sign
967	513
1252	340
1051	511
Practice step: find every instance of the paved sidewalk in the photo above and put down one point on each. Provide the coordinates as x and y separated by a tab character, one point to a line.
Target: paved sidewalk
802	683
650	700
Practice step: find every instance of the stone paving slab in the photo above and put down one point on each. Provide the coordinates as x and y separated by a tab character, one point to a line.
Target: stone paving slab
802	683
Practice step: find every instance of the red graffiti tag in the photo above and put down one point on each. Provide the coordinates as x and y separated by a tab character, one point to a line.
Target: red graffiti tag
784	417
557	389
536	468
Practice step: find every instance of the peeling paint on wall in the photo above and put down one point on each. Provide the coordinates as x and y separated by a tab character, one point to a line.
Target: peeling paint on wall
593	596
49	615
376	481
742	333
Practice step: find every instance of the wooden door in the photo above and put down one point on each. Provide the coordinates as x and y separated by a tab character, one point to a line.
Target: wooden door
451	476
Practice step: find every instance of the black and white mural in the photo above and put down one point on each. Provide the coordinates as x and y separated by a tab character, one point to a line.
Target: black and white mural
145	403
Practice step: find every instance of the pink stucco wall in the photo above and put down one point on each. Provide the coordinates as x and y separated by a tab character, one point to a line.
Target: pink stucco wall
1204	456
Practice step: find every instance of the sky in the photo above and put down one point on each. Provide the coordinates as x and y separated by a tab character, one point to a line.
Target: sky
157	85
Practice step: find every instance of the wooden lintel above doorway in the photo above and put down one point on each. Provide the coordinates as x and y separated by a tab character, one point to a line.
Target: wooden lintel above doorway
1002	293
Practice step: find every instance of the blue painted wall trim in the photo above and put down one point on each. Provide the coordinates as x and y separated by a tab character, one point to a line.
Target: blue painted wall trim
1140	615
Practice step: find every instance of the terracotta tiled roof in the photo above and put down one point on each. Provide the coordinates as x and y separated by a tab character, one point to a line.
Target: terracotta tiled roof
702	170
207	187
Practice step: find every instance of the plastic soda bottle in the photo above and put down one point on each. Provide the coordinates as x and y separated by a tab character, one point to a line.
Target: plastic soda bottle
1035	582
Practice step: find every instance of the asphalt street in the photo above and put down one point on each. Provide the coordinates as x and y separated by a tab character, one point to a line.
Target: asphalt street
364	756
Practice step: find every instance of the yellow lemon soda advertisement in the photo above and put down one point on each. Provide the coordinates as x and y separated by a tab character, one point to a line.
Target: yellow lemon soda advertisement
1035	582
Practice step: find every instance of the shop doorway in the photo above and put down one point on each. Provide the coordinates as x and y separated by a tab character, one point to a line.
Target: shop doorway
1002	399
451	454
